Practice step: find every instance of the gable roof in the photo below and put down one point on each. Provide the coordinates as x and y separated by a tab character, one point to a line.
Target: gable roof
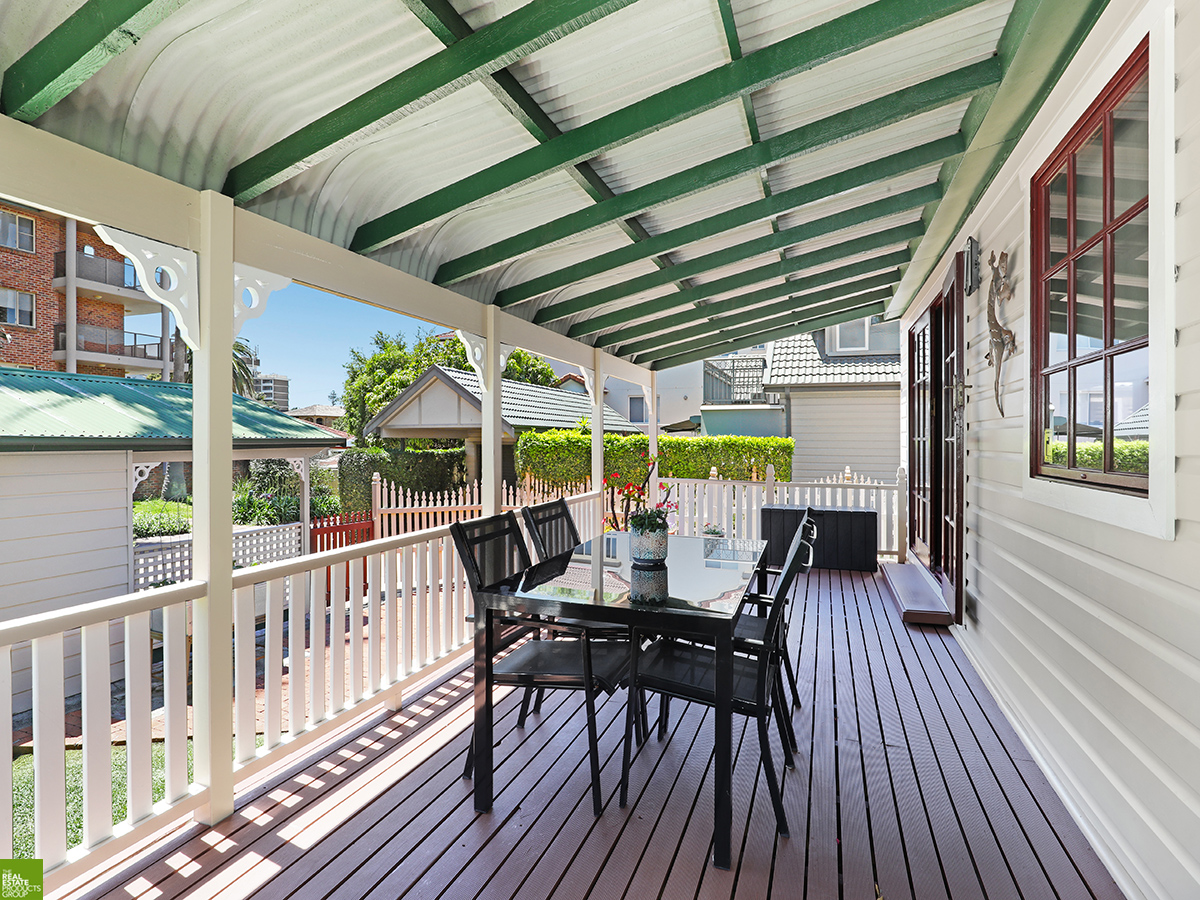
802	360
522	406
61	411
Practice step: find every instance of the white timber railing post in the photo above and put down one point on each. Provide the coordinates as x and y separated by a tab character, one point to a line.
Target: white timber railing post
377	504
901	515
769	488
212	448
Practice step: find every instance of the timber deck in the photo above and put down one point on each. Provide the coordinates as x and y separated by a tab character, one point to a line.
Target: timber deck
909	778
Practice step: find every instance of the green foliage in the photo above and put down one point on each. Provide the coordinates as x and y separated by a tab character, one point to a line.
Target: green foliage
563	457
274	476
1128	456
159	518
376	378
251	507
420	471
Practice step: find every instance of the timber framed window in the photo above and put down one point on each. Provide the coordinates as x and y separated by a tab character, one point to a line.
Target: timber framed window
16	232
1090	288
16	308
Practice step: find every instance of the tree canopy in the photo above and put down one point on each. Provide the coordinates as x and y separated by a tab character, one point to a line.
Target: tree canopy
375	378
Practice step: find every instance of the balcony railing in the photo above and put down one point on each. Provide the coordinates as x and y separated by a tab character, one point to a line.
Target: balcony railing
110	341
117	272
734	380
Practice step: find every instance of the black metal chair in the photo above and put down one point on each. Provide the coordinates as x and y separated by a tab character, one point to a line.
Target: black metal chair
495	558
687	670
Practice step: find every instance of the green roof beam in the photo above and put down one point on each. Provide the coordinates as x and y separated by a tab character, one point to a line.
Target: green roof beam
728	343
755	299
879	209
1039	40
75	50
886	279
862	119
901	163
877	241
448	26
479	54
802	52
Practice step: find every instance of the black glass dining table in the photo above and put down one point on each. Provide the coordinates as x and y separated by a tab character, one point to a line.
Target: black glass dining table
697	591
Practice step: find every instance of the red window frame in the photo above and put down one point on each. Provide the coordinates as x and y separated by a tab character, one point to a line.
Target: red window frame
1098	114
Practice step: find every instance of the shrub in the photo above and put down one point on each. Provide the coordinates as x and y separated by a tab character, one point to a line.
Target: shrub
428	471
274	476
355	469
160	518
1128	456
251	507
563	457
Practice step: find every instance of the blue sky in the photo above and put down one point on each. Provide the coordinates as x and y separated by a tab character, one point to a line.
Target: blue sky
307	334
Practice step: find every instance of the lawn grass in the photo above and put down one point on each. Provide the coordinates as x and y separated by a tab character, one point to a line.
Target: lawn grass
23	811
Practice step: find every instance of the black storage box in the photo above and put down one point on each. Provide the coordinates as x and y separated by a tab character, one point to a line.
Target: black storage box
846	538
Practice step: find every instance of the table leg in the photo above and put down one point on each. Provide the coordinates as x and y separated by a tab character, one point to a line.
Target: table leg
723	753
483	707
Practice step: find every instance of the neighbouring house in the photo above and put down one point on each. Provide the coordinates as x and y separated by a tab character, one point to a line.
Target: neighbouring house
73	448
46	295
447	403
318	413
841	395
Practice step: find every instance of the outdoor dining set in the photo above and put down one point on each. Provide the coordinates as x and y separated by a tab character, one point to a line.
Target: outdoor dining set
707	624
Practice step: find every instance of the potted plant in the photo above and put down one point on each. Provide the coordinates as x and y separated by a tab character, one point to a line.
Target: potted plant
648	533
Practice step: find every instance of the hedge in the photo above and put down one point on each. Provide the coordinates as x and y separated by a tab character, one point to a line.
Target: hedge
563	457
427	471
1128	456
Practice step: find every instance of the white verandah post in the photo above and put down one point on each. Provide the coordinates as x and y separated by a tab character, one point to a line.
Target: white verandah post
597	391
652	404
493	425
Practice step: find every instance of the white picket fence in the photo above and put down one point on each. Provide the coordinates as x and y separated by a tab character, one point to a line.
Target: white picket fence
170	559
399	511
734	507
410	621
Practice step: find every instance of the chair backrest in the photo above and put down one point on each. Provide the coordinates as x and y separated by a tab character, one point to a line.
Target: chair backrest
809	525
799	558
551	528
492	550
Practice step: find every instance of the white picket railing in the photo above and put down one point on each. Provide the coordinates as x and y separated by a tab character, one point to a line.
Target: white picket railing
396	510
734	507
170	559
410	621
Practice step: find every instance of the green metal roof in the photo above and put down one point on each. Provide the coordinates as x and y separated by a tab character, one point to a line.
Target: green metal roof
60	411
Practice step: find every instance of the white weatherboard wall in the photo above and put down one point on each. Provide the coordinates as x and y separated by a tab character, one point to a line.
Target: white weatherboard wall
1083	608
64	540
857	427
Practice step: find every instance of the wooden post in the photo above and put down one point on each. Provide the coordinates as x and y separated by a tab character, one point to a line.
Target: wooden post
653	407
490	449
376	504
212	449
597	390
769	489
901	515
305	503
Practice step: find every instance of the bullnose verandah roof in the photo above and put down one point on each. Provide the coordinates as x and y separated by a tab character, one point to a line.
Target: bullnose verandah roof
664	179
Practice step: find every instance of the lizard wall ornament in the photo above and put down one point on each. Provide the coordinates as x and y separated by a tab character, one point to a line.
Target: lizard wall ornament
1001	341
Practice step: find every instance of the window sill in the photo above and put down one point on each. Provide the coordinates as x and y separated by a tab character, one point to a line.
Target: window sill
1113	507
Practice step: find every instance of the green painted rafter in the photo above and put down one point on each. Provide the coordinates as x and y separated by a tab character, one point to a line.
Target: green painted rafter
754	300
778	241
729	342
831	40
448	26
1039	40
715	323
866	244
862	119
481	53
901	163
75	50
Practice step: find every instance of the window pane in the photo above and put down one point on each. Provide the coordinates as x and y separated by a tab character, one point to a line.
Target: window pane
1056	399
1131	267
1057	202
1089	416
1131	148
1089	187
1089	301
1131	411
852	335
1056	318
8	230
25	234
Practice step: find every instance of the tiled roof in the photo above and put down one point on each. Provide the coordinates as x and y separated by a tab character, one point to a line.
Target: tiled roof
533	406
61	411
318	409
803	360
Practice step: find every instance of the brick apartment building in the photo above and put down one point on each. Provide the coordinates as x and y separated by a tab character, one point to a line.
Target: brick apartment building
35	283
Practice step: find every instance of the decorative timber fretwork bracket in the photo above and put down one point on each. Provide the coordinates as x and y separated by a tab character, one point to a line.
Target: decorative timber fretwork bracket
178	288
476	346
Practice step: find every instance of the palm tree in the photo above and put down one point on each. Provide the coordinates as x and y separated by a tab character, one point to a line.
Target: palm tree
175	482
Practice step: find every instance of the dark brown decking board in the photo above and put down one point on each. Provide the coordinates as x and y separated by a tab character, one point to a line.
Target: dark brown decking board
908	776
